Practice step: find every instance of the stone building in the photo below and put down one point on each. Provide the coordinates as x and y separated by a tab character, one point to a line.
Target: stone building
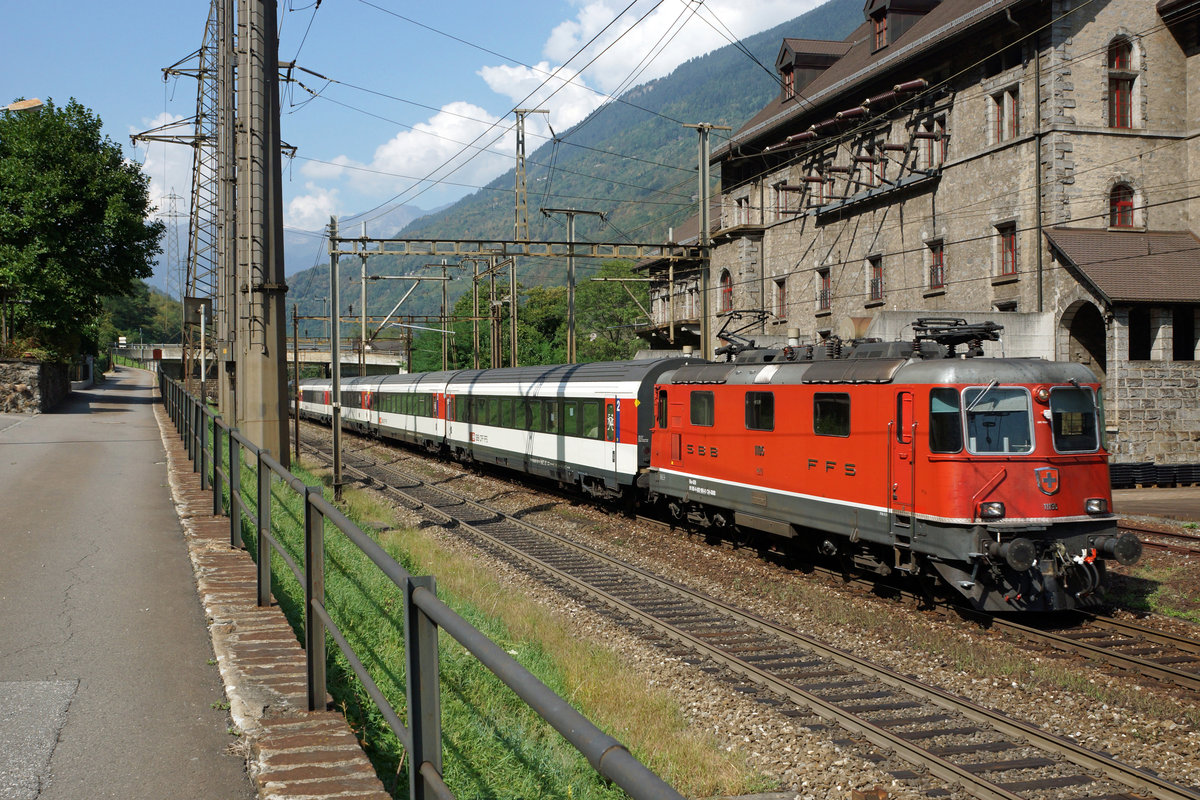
1027	161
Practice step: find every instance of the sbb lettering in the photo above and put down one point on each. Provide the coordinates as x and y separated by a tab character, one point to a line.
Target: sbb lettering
701	450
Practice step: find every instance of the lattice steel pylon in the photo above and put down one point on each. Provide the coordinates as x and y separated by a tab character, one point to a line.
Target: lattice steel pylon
176	271
202	256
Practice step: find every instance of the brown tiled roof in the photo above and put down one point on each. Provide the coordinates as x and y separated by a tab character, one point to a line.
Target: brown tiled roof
824	47
850	74
1134	266
1167	9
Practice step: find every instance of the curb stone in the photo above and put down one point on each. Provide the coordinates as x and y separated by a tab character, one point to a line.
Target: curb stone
290	752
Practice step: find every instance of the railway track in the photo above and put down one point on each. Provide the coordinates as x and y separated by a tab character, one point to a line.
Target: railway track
1126	645
1173	541
986	753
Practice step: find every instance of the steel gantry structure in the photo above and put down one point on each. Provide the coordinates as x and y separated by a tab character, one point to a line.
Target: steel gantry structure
501	249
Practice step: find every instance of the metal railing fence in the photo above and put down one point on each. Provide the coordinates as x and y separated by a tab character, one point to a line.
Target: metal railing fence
217	451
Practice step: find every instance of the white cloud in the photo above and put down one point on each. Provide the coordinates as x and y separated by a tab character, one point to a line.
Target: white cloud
311	211
169	166
442	143
454	137
564	96
705	27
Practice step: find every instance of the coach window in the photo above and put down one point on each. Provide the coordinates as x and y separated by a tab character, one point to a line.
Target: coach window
589	411
506	412
831	414
571	417
662	408
760	411
702	409
945	421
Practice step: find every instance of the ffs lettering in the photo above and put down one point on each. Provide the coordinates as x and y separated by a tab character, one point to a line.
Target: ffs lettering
831	466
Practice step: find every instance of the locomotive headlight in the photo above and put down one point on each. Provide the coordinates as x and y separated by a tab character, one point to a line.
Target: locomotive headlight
1096	505
991	510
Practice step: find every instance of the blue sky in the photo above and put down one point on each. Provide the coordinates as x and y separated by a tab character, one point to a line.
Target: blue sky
420	96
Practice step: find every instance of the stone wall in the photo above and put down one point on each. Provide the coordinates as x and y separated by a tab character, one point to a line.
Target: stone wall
1157	413
32	387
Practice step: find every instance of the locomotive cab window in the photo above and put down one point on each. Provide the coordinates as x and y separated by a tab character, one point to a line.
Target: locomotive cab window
662	408
1073	420
831	414
702	406
945	421
760	411
999	420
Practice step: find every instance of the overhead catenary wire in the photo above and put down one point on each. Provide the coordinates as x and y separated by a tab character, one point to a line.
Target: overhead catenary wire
446	164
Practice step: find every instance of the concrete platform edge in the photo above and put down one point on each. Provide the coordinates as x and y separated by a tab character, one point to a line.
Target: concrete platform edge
289	751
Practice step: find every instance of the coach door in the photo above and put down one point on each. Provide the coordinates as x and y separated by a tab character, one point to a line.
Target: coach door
610	430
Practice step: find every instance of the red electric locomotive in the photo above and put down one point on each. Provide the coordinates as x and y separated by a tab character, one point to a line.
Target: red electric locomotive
989	472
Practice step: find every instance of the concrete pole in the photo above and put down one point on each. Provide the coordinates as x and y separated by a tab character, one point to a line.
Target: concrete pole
226	215
262	345
362	302
703	129
335	356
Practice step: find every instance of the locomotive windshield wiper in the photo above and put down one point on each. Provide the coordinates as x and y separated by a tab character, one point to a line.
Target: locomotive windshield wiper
979	396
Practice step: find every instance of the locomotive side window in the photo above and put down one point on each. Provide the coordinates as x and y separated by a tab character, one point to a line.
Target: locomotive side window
831	414
760	411
662	408
1073	420
945	421
702	409
998	420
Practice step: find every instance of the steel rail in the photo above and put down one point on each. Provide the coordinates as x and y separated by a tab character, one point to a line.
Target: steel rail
1160	637
1076	754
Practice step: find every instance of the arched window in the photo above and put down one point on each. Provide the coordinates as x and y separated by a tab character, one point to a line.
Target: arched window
1120	206
726	291
1120	83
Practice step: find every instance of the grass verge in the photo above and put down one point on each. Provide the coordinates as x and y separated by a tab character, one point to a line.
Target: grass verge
493	744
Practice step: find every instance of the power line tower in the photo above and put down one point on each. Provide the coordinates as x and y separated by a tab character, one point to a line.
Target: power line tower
522	197
176	269
196	287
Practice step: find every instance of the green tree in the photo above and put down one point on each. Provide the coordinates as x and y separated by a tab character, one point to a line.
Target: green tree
606	313
74	225
142	315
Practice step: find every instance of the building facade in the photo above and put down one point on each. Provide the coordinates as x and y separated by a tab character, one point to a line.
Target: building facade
1026	161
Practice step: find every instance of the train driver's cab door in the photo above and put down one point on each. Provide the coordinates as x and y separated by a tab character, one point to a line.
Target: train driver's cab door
902	468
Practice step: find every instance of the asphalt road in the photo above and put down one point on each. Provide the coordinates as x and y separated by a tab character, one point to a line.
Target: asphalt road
107	689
